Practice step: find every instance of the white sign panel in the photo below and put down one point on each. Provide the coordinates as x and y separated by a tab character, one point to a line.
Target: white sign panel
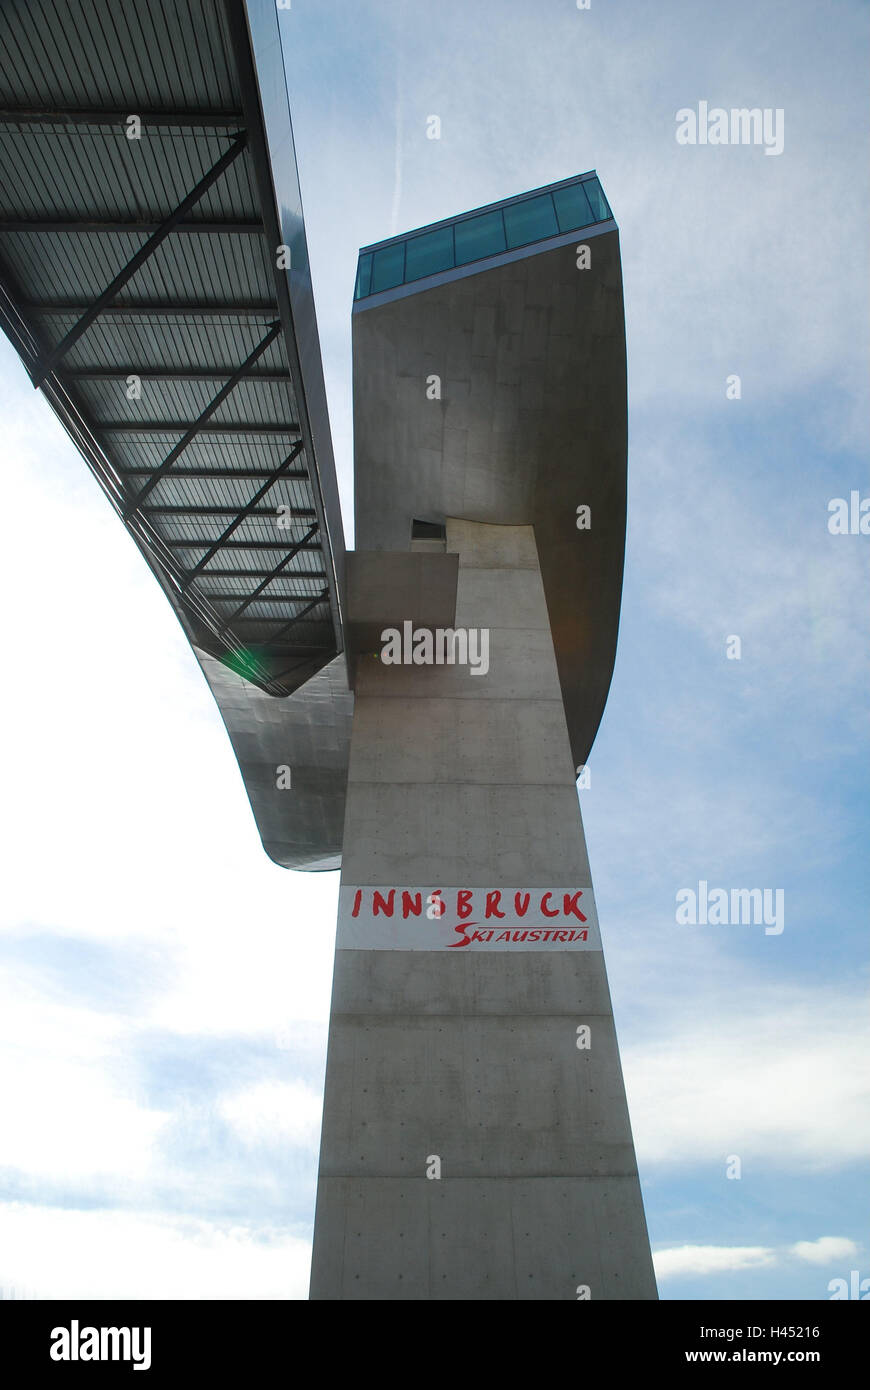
391	918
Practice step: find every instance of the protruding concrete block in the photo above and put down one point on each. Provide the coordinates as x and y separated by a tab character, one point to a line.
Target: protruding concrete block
389	588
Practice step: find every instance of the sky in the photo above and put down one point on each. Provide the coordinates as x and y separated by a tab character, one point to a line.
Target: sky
164	988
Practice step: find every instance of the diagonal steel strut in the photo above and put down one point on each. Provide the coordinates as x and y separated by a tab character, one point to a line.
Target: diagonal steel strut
57	353
282	565
197	425
246	511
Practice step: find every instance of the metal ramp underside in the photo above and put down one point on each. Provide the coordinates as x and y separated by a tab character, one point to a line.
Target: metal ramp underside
142	286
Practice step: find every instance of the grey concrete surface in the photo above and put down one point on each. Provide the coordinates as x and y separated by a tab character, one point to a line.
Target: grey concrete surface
387	589
581	1226
471	1056
530	424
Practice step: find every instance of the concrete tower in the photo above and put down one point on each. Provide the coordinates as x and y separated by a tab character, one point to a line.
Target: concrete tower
476	1141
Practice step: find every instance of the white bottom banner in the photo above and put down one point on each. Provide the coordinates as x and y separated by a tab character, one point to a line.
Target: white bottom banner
387	918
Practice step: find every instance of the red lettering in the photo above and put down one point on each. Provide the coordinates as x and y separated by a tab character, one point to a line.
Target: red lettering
381	904
492	902
463	902
561	936
503	936
571	904
357	899
520	935
412	903
460	931
526	897
545	911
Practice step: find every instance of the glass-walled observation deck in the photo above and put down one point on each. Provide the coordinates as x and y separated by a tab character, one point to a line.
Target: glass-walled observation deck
475	236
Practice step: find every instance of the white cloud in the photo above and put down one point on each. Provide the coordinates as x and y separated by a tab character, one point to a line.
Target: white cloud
275	1112
735	1078
67	1123
683	1260
65	1116
825	1250
55	1254
710	1259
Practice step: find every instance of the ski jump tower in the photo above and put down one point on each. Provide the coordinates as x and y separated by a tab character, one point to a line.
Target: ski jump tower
433	692
476	1141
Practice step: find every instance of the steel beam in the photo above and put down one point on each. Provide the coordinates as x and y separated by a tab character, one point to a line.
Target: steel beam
247	308
75	115
251	510
214	596
197	426
168	374
44	225
279	568
258	574
215	172
202	543
323	597
295	476
239	514
279	427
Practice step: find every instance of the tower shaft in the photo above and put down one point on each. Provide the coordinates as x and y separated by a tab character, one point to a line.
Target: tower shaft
476	1141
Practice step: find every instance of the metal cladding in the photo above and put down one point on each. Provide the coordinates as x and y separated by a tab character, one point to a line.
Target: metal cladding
154	279
309	732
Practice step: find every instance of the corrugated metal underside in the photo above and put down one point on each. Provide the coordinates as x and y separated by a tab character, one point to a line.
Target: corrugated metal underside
183	390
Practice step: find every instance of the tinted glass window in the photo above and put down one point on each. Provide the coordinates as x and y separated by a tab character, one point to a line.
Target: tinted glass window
572	208
485	234
388	267
477	237
597	200
531	221
426	255
363	277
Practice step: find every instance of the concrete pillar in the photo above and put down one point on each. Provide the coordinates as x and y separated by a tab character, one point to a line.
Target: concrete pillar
476	1142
